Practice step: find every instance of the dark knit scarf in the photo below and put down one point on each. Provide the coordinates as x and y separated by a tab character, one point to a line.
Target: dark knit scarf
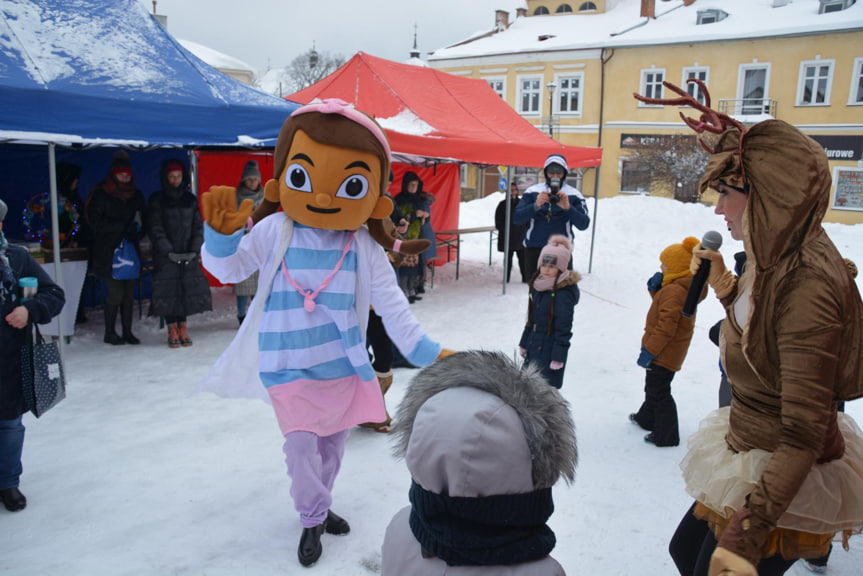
8	286
122	191
243	193
499	530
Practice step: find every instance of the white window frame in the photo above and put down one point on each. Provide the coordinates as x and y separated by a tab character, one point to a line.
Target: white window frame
803	78
856	83
621	163
741	81
695	89
539	92
643	82
558	79
497	79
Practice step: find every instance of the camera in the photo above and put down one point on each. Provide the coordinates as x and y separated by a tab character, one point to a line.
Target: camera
553	198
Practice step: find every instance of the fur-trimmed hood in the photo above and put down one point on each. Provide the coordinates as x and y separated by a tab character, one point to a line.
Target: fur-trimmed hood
509	408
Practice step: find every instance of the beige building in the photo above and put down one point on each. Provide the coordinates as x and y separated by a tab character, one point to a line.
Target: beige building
570	68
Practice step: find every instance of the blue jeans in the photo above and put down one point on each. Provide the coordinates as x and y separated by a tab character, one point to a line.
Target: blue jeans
11	446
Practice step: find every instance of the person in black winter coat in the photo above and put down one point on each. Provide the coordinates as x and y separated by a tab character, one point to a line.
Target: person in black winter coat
115	211
176	231
74	230
415	207
516	233
15	318
553	295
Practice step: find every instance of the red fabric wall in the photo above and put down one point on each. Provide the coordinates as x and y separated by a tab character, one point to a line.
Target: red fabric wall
442	182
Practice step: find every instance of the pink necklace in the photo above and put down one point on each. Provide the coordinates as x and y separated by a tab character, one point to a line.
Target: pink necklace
308	295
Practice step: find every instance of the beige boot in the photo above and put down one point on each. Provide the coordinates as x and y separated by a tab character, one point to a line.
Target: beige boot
385	379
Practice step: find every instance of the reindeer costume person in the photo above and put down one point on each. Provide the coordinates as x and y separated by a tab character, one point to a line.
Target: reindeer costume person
778	473
302	345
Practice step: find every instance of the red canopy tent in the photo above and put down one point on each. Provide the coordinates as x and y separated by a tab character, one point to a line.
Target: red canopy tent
433	114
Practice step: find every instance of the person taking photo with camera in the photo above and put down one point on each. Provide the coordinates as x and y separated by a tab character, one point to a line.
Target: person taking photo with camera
548	208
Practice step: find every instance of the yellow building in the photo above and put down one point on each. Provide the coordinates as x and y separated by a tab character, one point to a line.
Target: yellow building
570	68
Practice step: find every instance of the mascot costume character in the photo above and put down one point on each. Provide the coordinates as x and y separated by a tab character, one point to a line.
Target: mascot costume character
302	344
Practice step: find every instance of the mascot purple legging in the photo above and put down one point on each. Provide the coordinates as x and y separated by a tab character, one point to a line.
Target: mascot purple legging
313	464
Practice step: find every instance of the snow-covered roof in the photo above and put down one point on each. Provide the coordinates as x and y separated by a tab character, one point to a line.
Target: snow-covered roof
675	23
216	59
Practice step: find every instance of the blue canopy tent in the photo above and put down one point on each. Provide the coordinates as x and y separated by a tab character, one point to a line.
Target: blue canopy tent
105	73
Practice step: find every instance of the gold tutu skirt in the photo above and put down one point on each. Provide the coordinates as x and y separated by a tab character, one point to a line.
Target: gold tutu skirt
830	501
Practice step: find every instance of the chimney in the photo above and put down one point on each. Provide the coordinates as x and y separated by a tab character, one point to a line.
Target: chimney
501	20
520	12
648	9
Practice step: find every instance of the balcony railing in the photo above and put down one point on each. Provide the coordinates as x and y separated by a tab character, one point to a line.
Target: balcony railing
748	107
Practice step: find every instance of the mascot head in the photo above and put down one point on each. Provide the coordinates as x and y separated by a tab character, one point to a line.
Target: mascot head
332	168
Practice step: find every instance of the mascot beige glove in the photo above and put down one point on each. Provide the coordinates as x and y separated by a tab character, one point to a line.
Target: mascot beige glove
444	352
727	563
220	209
720	279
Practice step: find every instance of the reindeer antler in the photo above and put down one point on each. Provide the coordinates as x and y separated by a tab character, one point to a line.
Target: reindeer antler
709	121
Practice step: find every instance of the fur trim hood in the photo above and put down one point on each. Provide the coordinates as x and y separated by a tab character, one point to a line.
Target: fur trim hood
547	425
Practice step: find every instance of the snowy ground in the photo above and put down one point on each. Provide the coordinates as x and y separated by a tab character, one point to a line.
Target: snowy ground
129	476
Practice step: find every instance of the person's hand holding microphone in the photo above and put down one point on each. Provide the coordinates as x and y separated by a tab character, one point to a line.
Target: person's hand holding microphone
707	265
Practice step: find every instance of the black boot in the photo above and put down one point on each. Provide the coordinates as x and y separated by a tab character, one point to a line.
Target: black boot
126	321
12	499
336	525
111	336
310	548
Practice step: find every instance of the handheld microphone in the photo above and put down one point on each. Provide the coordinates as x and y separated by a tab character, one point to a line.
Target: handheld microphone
711	240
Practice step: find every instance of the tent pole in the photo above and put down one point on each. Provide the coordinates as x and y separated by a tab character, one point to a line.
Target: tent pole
506	196
593	221
55	235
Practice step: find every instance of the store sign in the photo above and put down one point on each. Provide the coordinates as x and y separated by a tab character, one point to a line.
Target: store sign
849	148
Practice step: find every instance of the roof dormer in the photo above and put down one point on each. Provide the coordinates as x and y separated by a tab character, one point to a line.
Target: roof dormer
711	15
828	6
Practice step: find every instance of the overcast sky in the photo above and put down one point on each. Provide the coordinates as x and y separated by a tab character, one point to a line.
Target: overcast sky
274	32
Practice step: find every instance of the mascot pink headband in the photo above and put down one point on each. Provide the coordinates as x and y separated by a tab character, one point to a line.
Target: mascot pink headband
346	109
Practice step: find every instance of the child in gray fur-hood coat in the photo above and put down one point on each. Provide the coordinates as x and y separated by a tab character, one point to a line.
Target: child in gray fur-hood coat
484	441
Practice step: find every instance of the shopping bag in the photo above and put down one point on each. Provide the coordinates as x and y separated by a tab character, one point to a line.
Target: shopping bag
126	264
43	381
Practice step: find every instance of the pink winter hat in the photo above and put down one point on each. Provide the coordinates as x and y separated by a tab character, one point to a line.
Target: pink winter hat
557	252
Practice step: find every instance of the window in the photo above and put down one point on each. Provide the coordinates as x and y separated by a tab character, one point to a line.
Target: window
462	175
816	78
529	95
541	11
498	85
634	177
651	84
563	9
752	87
710	16
698	73
587	7
569	89
856	96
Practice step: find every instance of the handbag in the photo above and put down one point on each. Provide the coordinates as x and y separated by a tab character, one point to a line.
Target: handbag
43	380
126	264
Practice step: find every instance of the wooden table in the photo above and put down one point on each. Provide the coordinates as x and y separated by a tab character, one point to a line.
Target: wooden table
452	239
